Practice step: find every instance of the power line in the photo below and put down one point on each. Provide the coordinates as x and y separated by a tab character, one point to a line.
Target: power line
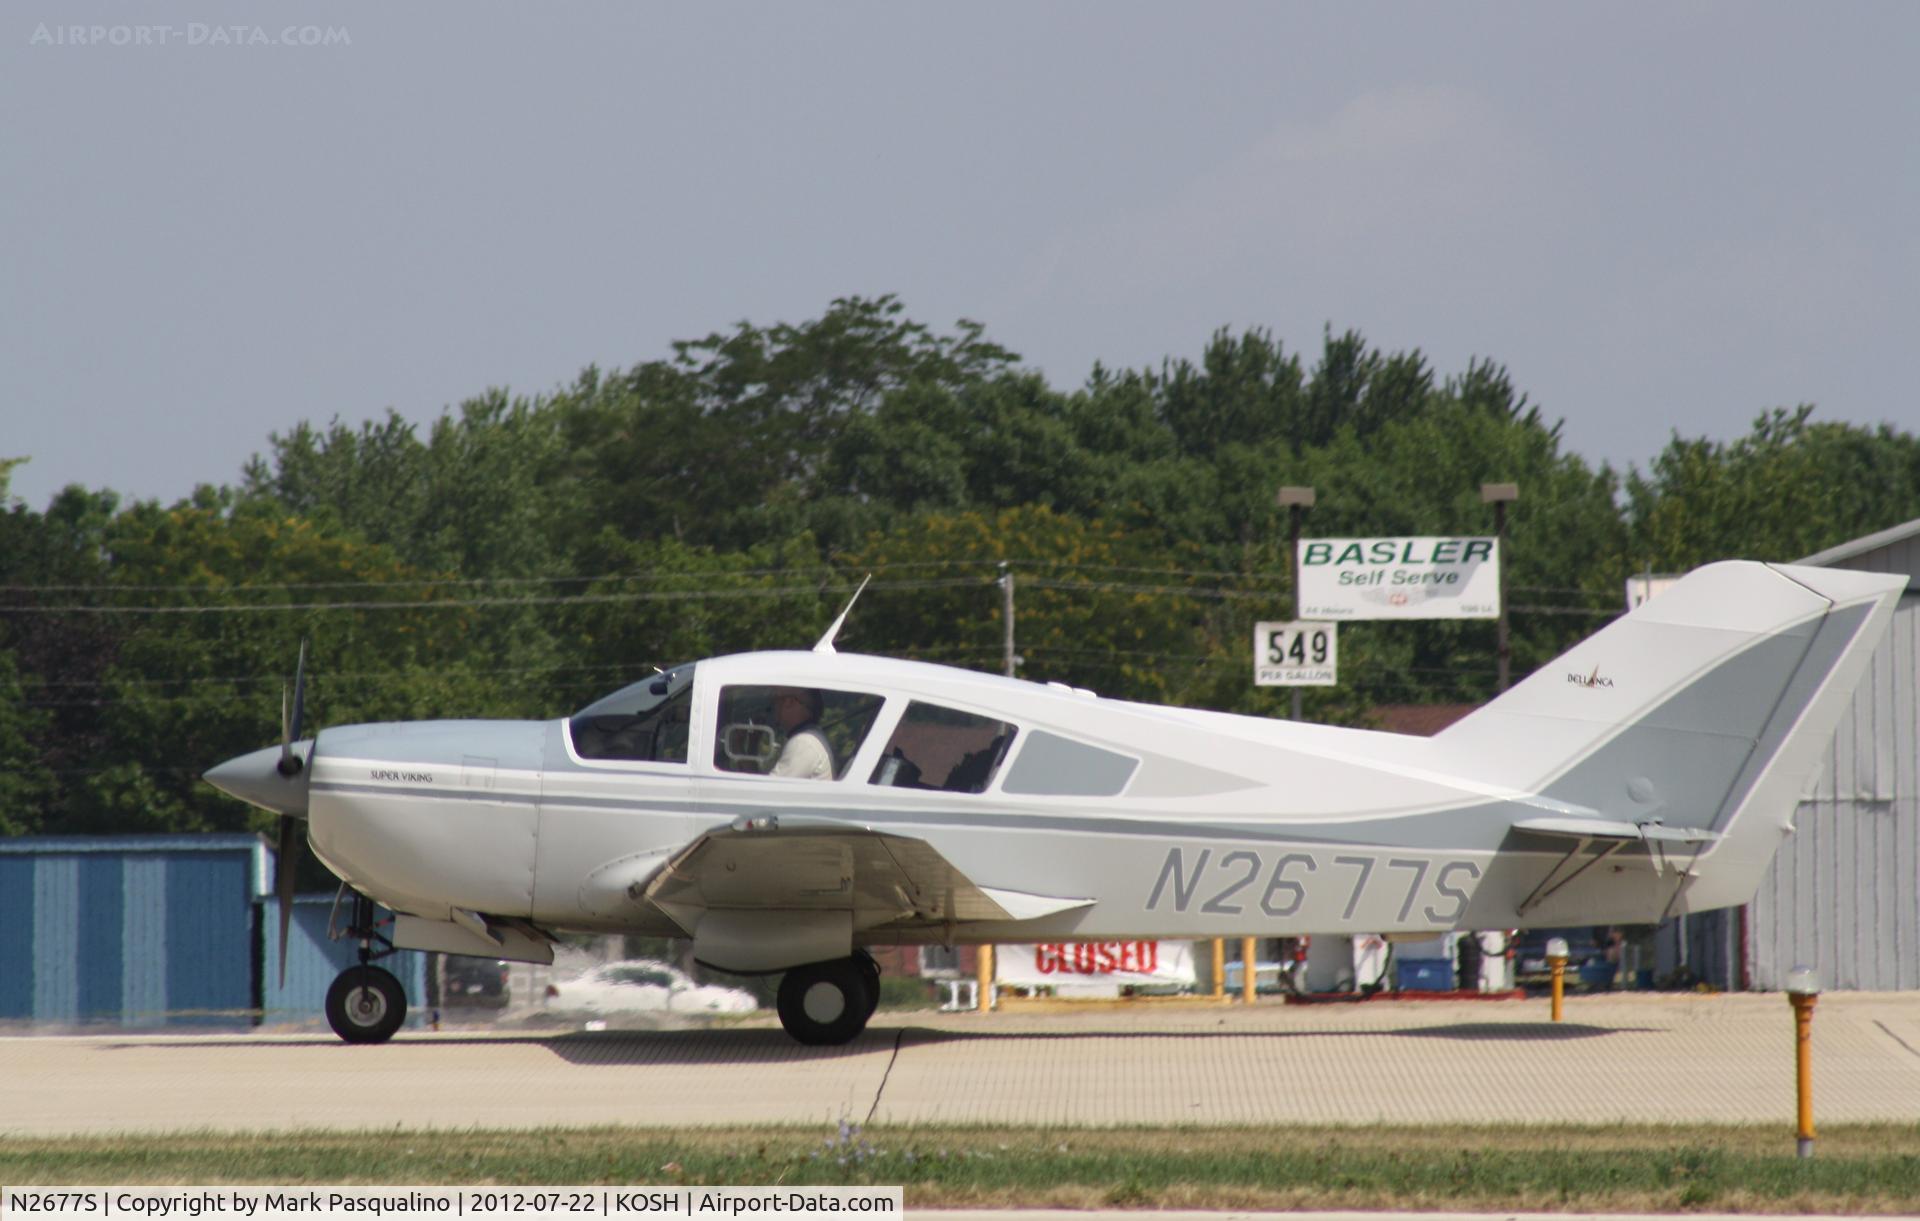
654	574
674	595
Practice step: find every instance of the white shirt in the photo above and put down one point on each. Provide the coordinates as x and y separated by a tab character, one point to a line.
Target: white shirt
806	756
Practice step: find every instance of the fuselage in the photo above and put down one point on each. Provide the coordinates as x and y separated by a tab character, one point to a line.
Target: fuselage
1175	822
781	810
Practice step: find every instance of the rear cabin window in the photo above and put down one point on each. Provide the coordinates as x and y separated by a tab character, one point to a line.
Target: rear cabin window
943	749
810	733
1053	766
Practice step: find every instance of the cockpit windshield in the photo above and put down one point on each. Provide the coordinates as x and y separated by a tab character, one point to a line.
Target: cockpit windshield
637	699
646	721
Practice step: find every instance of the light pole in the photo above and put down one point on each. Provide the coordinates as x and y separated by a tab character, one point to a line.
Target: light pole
1010	661
1296	500
1499	495
1557	961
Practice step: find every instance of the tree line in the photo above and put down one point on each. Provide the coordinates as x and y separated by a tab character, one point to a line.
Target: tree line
521	555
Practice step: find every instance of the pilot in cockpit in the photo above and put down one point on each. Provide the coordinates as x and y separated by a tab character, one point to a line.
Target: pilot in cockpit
807	754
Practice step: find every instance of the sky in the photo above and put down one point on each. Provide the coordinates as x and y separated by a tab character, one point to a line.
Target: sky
218	220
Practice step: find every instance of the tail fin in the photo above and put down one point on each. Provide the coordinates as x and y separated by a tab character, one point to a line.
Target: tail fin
1705	711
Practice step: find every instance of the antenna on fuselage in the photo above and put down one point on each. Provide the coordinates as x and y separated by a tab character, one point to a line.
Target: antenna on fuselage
826	641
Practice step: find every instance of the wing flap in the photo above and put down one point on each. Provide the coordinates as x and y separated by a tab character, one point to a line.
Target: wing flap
772	864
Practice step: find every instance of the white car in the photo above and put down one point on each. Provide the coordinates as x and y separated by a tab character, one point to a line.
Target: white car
645	986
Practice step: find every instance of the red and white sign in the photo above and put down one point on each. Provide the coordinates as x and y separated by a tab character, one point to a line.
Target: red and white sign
1095	962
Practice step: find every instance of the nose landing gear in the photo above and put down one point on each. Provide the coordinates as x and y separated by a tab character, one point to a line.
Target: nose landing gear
366	1003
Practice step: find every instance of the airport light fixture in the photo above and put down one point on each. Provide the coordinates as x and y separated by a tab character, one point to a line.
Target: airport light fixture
1557	960
1803	989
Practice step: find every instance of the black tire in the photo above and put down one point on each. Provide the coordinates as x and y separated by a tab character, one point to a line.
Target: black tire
824	1004
869	975
366	1005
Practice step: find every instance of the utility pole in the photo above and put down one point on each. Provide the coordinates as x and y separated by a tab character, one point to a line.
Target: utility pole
1006	614
1499	495
1296	500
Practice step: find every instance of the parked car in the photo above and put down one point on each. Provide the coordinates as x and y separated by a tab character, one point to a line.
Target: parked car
474	981
644	985
1587	964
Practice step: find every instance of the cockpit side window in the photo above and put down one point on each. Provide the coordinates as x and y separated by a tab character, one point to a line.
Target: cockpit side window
808	733
943	749
647	722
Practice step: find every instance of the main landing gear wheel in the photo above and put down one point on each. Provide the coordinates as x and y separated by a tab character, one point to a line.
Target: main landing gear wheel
365	1005
870	973
826	1003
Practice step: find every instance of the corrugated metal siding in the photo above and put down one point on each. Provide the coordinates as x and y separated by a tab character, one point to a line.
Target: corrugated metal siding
56	942
143	941
20	930
140	930
102	894
209	938
1843	895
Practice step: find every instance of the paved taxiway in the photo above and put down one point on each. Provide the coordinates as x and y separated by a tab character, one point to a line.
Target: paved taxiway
1631	1058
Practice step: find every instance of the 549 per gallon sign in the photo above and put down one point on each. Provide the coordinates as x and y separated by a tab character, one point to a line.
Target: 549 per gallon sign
1295	654
1399	578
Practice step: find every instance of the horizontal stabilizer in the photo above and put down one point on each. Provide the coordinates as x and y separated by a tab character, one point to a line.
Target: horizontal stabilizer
1609	828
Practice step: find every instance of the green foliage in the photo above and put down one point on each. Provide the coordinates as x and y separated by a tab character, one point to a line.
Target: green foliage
200	681
1789	488
1089	603
659	602
25	783
521	556
724	444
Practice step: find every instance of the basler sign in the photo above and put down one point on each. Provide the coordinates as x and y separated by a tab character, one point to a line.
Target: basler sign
1399	578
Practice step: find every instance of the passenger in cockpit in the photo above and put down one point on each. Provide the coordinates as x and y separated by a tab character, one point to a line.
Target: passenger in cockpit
807	755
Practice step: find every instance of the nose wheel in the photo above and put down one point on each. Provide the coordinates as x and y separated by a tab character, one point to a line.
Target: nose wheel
366	1005
824	1004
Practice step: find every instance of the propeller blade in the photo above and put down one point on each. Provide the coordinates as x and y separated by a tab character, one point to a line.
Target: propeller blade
300	691
285	867
290	722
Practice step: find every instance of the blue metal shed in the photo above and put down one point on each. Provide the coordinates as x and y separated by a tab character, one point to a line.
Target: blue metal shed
163	930
141	930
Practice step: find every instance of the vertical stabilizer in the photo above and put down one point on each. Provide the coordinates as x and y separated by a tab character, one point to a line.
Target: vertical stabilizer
1706	710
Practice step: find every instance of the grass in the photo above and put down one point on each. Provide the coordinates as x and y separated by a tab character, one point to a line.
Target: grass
1860	1169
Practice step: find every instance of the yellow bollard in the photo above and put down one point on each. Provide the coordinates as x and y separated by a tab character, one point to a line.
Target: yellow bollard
1219	969
984	999
1557	959
1802	991
1246	970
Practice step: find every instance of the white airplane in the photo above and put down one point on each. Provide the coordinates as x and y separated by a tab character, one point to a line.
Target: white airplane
1653	769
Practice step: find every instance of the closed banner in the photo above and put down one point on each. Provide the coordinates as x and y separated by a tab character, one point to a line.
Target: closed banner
1095	962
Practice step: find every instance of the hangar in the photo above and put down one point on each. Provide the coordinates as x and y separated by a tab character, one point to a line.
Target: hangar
1843	894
